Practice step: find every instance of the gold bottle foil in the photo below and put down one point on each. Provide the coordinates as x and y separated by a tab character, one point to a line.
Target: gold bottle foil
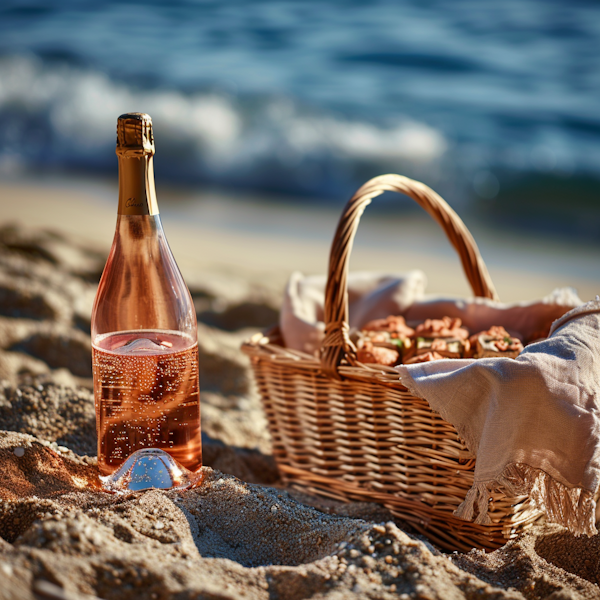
134	135
135	149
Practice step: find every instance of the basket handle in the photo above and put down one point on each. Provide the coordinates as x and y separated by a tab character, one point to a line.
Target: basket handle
337	344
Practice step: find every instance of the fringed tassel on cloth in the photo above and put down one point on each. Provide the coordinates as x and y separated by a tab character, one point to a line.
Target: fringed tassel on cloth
573	508
477	496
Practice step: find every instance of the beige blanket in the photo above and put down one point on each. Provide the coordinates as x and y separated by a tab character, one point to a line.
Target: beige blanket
533	423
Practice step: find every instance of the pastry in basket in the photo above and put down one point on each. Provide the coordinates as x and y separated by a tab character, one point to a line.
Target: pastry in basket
495	342
367	352
391	332
421	358
445	336
395	325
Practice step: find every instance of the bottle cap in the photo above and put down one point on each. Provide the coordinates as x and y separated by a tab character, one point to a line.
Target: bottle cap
134	135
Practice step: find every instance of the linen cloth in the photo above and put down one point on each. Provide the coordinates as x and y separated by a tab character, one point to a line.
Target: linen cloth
533	423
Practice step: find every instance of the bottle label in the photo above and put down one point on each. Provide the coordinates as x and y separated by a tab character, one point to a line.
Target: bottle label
136	186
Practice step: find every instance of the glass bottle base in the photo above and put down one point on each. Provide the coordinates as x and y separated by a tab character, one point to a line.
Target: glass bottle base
150	468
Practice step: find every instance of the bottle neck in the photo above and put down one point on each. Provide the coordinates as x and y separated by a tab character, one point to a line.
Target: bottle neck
137	195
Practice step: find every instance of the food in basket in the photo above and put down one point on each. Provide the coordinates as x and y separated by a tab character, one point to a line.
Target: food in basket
444	327
395	325
391	341
421	358
391	332
384	341
444	336
495	342
367	352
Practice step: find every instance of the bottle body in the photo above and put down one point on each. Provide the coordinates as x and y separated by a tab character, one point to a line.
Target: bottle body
144	334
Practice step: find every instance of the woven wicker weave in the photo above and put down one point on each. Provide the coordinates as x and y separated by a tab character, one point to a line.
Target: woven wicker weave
351	431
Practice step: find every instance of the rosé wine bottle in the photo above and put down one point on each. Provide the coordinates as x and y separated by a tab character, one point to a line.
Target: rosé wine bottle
144	333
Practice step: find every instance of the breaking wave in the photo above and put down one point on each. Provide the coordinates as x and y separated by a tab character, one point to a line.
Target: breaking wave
61	116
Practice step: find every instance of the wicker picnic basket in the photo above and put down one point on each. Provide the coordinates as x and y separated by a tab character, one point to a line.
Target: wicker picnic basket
350	431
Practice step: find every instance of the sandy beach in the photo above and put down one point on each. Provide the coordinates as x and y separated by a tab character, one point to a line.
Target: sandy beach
241	533
260	239
266	116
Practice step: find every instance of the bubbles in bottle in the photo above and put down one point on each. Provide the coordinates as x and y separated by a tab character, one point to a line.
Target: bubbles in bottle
146	395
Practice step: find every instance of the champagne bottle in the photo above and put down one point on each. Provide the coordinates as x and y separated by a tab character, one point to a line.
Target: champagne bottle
144	331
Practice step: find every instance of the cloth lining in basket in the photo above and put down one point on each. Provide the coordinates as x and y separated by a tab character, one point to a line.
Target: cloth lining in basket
374	296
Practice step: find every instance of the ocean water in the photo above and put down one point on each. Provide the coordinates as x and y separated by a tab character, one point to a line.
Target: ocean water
495	105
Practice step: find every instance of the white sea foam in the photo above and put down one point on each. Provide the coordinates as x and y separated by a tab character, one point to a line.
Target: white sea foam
75	110
64	116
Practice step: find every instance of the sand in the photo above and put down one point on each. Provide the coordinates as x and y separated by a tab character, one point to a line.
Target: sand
241	534
256	240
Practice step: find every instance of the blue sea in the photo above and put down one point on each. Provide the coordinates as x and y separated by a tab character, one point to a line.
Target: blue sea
494	104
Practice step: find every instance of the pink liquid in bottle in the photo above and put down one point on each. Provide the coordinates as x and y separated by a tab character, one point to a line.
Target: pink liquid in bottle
147	396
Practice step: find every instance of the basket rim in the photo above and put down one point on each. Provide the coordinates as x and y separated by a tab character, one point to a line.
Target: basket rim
266	344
